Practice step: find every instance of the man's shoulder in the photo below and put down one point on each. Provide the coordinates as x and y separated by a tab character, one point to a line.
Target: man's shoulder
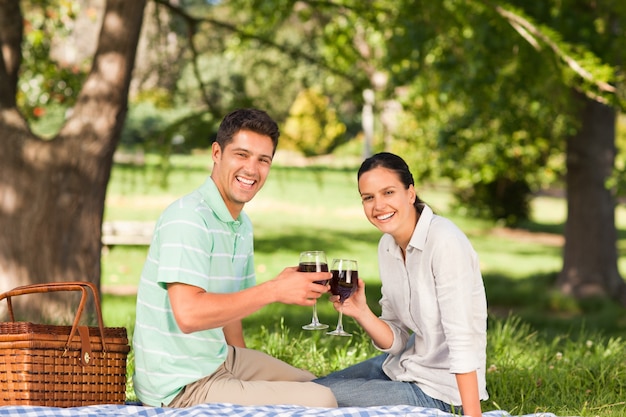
190	205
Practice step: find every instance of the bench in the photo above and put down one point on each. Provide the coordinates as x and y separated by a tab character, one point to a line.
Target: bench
134	233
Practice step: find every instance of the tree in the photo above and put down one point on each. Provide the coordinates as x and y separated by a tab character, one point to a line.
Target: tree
591	61
513	87
52	192
312	126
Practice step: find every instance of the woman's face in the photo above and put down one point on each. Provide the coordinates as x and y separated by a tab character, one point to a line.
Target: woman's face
387	204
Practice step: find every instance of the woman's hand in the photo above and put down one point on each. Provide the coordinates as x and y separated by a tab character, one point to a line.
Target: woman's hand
355	305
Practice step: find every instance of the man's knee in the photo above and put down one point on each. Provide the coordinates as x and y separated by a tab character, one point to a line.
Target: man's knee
326	397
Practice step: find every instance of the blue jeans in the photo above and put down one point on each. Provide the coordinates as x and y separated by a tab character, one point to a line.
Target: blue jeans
365	385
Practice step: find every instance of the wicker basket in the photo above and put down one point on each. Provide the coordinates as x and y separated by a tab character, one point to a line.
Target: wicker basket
61	366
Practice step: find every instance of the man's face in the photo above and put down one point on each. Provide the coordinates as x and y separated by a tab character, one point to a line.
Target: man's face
240	169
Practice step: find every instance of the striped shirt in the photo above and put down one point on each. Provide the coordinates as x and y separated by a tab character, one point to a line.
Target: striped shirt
195	242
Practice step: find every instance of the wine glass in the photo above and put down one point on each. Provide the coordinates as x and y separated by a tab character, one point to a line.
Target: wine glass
314	261
343	283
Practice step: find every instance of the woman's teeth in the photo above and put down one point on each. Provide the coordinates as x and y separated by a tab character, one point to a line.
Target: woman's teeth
384	216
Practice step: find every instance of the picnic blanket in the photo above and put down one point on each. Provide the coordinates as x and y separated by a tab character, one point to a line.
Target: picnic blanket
230	410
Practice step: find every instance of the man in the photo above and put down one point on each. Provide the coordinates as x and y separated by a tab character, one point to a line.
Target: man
198	282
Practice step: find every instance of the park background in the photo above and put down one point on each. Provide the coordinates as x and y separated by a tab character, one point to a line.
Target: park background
494	104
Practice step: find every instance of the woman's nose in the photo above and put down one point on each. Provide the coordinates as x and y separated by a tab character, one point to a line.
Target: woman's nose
378	203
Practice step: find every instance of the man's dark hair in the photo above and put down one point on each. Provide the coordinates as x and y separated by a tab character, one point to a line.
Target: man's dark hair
254	120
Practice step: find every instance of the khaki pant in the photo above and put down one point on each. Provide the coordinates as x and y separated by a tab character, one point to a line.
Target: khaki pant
250	377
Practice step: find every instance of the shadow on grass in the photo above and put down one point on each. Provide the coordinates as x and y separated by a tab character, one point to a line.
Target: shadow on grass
556	228
332	240
537	302
536	227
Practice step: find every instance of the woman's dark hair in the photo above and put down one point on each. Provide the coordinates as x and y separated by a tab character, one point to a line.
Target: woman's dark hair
254	120
393	163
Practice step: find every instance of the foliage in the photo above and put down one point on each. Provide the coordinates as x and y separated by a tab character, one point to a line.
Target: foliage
618	180
489	85
168	131
484	89
48	78
235	63
488	127
312	126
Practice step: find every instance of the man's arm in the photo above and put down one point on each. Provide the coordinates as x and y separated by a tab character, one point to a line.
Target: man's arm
196	309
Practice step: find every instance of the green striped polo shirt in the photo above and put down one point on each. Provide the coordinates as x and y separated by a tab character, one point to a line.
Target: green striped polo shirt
196	242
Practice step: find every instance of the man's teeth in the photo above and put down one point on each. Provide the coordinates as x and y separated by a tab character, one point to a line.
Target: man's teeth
245	181
384	216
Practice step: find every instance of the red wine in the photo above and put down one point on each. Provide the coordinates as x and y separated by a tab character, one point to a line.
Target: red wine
343	283
314	267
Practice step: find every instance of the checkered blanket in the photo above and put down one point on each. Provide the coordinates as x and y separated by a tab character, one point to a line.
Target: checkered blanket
230	410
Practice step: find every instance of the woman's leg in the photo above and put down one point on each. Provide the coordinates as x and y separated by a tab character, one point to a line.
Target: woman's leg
369	369
366	385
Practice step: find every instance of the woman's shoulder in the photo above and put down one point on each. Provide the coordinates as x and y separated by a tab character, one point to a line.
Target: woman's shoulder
386	240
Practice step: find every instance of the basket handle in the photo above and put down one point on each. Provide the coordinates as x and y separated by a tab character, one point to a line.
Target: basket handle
82	286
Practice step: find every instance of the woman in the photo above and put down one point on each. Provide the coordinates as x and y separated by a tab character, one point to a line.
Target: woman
432	330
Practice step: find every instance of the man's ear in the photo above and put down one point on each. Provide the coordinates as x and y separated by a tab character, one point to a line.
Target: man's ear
216	151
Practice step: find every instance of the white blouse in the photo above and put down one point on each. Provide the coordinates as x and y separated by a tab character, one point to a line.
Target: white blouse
436	307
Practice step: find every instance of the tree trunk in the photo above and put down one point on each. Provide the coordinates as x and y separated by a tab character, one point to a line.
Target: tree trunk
52	192
590	253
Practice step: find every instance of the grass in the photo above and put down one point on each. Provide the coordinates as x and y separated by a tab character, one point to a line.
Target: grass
546	352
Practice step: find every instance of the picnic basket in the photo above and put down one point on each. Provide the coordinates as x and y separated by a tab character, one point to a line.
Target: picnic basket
61	366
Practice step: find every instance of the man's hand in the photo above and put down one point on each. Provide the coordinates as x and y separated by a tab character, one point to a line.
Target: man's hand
300	288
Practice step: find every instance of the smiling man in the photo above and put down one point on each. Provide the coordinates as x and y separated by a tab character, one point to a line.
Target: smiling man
198	282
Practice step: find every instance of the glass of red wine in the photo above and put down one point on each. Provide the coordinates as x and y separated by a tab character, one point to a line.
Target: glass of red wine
314	261
343	283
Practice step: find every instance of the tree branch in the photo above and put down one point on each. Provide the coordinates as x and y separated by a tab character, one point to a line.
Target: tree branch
192	25
293	52
531	33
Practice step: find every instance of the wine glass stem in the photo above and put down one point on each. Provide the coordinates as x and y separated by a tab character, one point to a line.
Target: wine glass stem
315	319
340	321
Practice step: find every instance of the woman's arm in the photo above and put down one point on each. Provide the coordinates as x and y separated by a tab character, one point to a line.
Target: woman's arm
468	388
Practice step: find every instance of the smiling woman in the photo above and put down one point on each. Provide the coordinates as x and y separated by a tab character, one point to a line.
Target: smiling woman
388	204
432	330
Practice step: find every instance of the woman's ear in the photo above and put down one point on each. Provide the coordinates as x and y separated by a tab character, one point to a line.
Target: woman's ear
412	194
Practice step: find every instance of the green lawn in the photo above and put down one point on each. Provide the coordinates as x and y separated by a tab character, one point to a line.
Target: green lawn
546	352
